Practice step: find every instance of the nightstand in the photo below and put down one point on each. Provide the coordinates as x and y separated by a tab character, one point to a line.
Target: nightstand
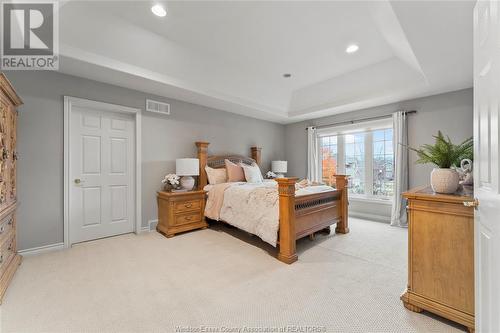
180	211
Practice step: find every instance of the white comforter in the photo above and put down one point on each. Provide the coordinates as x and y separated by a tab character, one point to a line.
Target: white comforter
253	207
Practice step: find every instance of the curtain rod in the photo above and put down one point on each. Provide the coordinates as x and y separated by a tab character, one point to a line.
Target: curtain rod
348	122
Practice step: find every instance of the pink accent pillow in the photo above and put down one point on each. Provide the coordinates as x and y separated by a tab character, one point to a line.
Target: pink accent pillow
234	172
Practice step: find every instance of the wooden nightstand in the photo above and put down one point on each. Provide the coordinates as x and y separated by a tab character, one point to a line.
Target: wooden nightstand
180	211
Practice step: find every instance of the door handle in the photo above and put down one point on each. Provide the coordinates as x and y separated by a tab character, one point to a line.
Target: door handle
474	203
78	181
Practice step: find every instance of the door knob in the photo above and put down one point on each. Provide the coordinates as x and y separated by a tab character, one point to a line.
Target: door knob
78	181
474	203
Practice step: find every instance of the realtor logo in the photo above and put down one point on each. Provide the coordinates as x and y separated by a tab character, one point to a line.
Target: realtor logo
30	33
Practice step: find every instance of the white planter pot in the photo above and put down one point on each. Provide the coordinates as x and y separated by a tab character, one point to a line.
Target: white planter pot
444	180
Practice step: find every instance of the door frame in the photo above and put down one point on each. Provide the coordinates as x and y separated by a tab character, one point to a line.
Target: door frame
69	102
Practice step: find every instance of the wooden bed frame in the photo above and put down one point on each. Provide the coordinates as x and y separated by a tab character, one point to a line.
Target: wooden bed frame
298	216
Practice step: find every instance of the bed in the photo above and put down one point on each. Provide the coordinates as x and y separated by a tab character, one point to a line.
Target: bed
300	212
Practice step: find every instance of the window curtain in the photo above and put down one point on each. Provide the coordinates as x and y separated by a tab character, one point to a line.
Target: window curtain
312	155
400	140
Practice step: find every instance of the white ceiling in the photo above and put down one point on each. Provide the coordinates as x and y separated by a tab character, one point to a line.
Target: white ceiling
232	55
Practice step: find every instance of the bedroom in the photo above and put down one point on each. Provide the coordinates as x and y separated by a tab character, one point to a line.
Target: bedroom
318	85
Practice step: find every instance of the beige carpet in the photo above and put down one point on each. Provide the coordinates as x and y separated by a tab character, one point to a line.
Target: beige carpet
212	279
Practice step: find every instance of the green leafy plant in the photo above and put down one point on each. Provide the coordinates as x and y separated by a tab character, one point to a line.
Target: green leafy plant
444	154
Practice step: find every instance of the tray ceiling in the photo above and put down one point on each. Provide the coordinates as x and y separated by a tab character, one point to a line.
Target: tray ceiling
232	55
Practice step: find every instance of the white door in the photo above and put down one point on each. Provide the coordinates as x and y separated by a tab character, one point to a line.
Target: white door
101	173
486	158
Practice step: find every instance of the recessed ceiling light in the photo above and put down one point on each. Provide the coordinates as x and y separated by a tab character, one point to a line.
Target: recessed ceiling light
352	48
287	75
158	10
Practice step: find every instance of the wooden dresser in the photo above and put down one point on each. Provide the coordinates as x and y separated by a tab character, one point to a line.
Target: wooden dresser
441	255
9	259
180	211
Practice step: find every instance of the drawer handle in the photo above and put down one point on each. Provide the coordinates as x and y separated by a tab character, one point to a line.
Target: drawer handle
188	218
1	230
1	259
474	203
11	220
10	247
188	205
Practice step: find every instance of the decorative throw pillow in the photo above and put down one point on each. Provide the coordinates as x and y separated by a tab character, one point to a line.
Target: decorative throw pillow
216	176
252	173
234	172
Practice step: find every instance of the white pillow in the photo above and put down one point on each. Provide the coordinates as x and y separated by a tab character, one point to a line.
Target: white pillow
216	176
252	173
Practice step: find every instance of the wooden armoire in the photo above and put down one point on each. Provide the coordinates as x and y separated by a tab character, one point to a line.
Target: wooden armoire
9	258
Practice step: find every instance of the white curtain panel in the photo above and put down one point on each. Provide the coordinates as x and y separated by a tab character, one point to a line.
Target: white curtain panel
312	155
400	140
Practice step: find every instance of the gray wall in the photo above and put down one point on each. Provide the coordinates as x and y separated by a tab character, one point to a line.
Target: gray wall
40	144
450	112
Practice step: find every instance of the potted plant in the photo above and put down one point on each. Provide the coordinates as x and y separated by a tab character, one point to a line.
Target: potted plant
444	155
270	175
171	182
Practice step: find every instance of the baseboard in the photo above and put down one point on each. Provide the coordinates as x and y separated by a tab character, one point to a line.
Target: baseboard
371	217
41	249
148	227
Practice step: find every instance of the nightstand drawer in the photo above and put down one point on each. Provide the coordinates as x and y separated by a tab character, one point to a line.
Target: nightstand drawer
187	218
186	206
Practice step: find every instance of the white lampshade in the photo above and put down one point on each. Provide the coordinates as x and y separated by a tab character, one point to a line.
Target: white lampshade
279	166
187	167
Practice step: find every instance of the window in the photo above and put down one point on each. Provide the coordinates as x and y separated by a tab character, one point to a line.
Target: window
365	154
329	161
355	162
383	163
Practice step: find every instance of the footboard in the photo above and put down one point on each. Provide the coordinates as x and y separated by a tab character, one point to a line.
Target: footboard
303	215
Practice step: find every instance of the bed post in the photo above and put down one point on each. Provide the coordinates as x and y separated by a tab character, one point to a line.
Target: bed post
341	182
286	189
202	157
256	155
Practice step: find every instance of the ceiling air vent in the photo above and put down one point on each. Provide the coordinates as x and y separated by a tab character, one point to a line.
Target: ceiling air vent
157	107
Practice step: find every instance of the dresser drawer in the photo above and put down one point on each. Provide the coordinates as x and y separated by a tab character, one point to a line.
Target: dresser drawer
6	225
187	218
186	206
7	251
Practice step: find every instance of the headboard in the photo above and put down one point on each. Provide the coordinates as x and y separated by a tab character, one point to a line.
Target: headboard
218	161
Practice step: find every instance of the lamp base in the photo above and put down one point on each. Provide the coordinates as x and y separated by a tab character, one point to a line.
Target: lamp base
280	175
187	183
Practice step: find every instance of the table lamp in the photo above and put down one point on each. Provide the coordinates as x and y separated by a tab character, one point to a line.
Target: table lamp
187	167
279	168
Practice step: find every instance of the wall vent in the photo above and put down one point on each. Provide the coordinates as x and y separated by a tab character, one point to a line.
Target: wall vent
157	107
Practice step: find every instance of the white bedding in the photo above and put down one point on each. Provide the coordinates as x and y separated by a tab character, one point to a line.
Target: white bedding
253	207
